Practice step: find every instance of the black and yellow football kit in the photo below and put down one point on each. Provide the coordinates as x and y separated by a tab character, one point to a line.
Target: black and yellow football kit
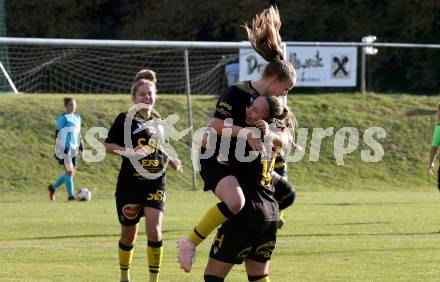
231	105
133	190
280	166
250	234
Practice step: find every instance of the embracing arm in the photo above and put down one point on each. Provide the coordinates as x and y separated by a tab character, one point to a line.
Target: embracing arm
218	124
255	142
278	138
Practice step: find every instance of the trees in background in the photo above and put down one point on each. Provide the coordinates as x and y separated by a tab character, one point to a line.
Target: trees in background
408	70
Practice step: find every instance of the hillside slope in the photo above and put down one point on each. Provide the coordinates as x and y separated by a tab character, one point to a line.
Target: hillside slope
26	140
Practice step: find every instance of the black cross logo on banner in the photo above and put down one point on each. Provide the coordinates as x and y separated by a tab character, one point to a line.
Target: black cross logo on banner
341	65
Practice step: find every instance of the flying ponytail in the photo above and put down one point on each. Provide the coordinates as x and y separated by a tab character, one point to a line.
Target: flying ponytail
264	36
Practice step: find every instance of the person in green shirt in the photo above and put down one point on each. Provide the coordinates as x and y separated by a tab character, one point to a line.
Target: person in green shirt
435	144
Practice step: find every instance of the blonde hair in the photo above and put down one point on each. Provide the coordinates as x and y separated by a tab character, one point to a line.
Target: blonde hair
265	38
143	76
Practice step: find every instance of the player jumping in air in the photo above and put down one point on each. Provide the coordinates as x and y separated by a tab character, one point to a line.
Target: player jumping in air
250	236
278	78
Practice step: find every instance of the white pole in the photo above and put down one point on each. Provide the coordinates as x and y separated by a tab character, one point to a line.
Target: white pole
8	78
363	70
188	44
188	98
122	43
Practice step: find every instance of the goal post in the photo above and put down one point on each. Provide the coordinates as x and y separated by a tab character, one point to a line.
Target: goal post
8	78
6	84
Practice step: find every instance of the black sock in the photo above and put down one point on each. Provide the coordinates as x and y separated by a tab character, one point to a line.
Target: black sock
212	278
255	278
284	194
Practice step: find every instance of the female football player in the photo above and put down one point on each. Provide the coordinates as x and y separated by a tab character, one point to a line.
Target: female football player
277	79
141	185
250	236
68	143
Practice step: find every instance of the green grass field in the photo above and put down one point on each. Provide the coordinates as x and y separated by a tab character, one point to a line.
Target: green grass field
329	236
356	222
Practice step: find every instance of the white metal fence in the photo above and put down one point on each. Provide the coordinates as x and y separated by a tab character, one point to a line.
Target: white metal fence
107	66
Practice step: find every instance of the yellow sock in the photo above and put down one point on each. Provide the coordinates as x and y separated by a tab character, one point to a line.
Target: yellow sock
154	253
125	257
281	214
213	218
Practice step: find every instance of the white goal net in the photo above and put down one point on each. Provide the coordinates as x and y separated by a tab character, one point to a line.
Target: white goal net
87	69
